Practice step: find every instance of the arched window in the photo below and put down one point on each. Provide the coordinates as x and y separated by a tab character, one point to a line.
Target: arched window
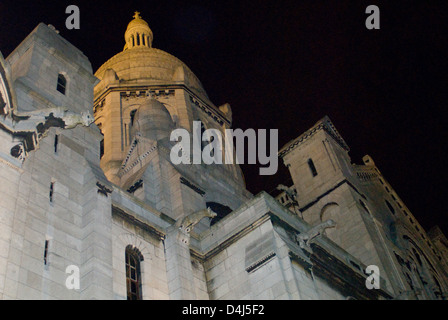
132	116
133	273
62	84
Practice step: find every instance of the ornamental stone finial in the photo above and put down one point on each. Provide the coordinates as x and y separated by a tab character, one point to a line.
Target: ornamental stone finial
137	15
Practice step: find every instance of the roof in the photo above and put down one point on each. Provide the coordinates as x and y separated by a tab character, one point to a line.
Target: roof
323	124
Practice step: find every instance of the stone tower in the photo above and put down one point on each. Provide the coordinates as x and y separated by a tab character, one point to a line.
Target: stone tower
49	164
372	222
319	164
144	94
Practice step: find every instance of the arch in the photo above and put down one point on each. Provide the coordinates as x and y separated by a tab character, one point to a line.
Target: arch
135	251
331	211
425	270
133	257
327	207
129	239
220	209
132	116
437	288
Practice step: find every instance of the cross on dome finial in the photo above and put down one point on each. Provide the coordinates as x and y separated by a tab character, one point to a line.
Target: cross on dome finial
137	15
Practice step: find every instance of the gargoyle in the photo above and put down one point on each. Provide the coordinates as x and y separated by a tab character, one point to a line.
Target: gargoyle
187	224
304	239
291	192
191	220
43	119
32	126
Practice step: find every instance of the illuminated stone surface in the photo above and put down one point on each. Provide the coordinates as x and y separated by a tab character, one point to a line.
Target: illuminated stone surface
88	207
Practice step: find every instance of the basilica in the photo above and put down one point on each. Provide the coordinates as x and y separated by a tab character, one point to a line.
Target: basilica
93	207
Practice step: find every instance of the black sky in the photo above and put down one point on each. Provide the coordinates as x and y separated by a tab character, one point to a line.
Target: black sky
286	64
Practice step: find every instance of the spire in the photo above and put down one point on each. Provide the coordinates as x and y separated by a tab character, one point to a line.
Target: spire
138	34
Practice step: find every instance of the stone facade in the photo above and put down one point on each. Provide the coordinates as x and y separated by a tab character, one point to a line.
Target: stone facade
106	198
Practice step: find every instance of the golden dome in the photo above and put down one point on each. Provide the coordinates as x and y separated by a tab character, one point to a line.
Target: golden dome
149	66
145	65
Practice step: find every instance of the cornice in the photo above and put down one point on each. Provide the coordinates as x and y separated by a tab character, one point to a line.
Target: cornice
324	124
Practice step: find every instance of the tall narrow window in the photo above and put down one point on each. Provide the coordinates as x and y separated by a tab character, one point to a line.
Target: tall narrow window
62	84
46	252
133	274
56	141
101	149
132	116
51	192
203	143
312	167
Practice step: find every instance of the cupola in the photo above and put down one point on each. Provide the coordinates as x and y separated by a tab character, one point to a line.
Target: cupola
138	34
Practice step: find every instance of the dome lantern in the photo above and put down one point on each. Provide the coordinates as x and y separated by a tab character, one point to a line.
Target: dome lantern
138	34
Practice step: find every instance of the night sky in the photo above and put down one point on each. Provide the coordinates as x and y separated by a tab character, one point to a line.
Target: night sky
286	64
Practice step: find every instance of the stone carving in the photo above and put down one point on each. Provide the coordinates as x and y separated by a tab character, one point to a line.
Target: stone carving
18	151
191	220
52	117
304	239
32	126
291	192
103	189
187	224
